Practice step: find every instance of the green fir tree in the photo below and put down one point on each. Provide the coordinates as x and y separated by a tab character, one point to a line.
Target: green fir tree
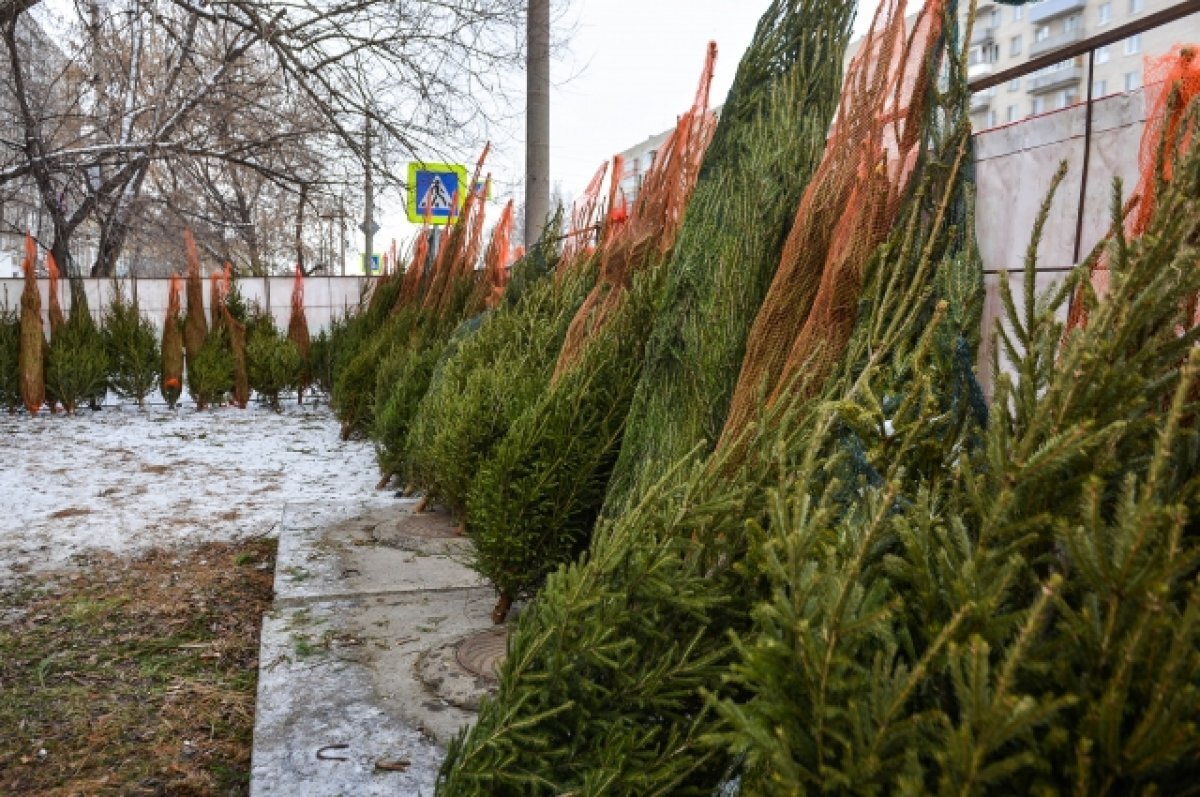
272	362
131	343
10	356
76	361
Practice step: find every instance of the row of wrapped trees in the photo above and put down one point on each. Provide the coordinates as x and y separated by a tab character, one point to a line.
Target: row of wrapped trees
240	351
729	445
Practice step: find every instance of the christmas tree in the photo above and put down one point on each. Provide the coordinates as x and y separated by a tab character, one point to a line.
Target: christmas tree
492	376
211	370
132	347
31	360
273	362
774	122
10	358
170	382
298	334
76	361
195	326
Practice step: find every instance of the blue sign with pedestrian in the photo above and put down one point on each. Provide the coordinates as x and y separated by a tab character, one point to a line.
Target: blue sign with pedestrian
435	192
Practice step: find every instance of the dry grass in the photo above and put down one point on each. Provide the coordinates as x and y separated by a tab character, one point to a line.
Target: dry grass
134	678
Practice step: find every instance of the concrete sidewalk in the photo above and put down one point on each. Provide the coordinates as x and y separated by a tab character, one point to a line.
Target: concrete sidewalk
361	674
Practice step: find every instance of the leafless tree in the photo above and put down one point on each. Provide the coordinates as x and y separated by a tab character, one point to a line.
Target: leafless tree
152	110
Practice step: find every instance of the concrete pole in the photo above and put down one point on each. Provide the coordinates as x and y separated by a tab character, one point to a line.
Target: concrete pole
537	120
368	227
342	227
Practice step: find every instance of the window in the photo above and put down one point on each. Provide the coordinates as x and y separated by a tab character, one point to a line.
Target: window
1011	114
991	119
1102	54
1014	47
1018	12
1132	81
1014	84
1104	14
1136	5
1099	88
1066	97
1037	106
1133	45
1072	23
1043	33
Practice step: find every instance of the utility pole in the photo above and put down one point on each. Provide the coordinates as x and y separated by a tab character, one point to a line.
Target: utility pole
368	225
537	119
342	228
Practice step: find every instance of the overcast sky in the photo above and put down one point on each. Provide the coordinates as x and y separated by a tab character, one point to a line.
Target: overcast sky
623	70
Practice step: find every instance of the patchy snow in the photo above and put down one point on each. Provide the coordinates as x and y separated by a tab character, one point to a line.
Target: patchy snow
125	480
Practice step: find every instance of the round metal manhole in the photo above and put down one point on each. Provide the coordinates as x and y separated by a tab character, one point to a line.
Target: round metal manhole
430	525
482	653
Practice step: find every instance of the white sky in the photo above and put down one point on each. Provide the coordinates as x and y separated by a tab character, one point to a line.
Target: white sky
627	70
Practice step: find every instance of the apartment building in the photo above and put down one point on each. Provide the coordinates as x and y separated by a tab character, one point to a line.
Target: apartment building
1005	36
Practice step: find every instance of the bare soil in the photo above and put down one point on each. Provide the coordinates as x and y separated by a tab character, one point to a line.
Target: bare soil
134	677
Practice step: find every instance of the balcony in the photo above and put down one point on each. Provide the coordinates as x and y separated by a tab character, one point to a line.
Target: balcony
1056	42
982	100
1059	78
983	34
979	70
1051	9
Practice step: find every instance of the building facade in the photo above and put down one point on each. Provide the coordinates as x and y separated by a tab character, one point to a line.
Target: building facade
1006	36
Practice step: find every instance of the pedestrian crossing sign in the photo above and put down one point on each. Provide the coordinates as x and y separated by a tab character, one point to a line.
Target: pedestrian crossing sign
432	192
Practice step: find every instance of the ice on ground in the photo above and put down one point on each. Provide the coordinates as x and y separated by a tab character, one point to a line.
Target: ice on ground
126	480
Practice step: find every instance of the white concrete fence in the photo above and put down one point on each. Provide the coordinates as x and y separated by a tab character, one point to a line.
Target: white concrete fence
324	297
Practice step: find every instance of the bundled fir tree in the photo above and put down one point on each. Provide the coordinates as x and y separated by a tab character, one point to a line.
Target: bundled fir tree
131	345
76	361
355	350
195	327
774	122
534	501
604	688
10	358
298	334
272	361
493	376
31	359
170	383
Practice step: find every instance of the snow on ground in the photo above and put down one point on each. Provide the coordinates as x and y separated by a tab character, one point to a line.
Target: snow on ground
125	480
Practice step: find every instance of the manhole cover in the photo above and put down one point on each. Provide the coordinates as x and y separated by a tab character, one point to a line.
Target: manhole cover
427	532
482	653
432	525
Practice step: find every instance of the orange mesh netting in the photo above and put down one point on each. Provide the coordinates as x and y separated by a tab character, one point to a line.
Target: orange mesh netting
414	275
172	343
195	327
461	247
57	319
635	237
218	289
585	217
495	262
1172	82
298	323
33	340
847	210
